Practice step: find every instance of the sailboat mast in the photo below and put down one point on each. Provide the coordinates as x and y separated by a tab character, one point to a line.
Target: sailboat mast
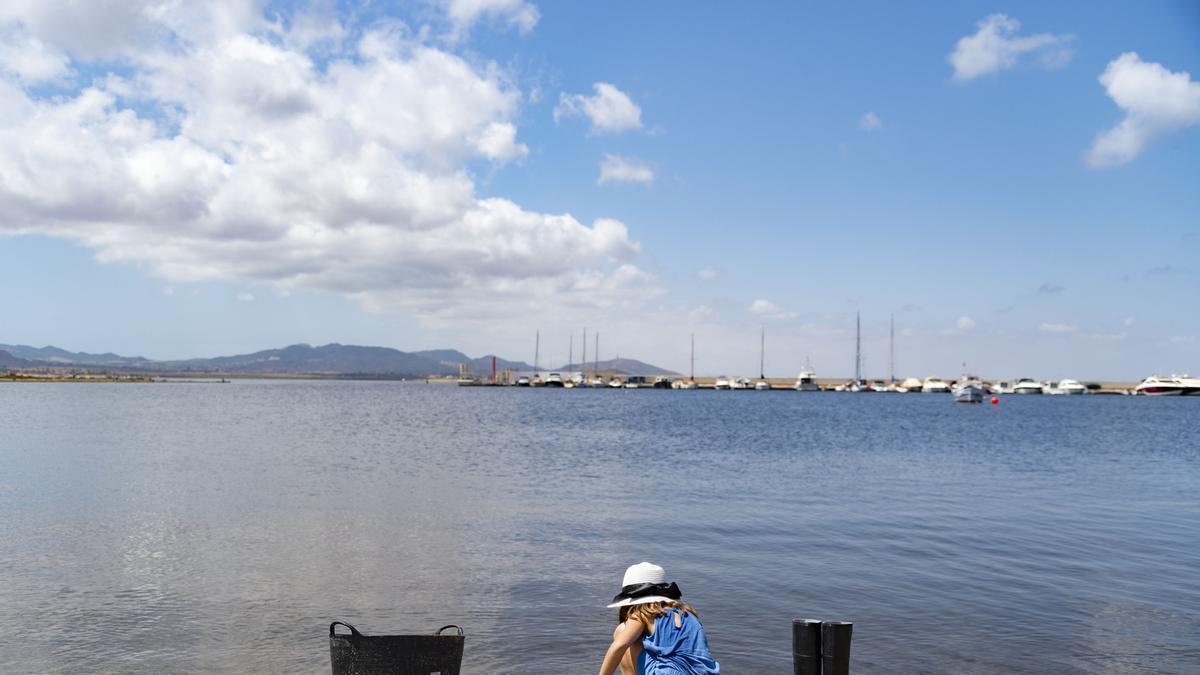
857	347
892	349
537	345
596	357
583	359
762	354
693	373
571	353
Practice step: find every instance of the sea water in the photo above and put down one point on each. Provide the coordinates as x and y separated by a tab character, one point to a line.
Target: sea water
221	527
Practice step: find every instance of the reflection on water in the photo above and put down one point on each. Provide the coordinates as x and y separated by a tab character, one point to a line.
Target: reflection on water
194	527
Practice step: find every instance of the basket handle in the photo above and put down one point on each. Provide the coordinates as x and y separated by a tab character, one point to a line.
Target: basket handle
457	628
353	630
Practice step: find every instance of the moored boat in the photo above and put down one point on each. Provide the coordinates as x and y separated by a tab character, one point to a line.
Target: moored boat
1071	387
1175	385
968	389
806	381
934	385
1026	386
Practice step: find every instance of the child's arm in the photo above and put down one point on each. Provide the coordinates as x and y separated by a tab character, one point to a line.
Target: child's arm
626	635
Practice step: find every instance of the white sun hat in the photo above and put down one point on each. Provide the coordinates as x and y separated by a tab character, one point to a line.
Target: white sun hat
645	582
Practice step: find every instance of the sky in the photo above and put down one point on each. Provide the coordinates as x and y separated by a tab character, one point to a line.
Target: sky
1015	184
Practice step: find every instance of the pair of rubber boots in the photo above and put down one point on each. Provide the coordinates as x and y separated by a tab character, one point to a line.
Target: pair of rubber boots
821	647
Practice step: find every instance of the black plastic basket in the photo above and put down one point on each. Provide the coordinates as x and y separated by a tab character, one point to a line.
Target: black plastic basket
358	654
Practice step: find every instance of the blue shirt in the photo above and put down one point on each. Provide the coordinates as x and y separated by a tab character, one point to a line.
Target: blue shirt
676	651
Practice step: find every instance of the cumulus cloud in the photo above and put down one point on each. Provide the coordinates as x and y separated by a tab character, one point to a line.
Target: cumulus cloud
1048	288
963	325
1156	101
223	150
245	297
870	122
996	46
1058	328
614	169
610	110
708	274
769	310
517	14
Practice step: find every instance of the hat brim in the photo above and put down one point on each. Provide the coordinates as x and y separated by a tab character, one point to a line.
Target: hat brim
640	601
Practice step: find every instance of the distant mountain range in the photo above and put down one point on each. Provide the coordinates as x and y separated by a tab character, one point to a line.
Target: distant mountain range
330	359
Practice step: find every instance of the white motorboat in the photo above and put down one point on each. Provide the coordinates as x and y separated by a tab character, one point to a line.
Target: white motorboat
523	381
1071	387
615	382
762	385
554	380
1025	385
806	381
911	385
1175	385
878	386
1001	388
934	385
723	382
741	383
969	389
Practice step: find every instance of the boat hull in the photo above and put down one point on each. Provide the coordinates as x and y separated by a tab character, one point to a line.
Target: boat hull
969	394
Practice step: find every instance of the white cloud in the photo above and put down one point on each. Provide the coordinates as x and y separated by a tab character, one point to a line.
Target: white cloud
870	122
1128	321
517	14
768	309
609	111
226	151
614	169
708	274
995	46
1058	328
1156	102
701	314
245	297
962	325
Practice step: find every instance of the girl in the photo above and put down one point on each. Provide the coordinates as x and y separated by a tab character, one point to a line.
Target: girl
658	634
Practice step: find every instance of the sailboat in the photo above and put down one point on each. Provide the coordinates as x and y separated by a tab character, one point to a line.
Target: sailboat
691	381
857	384
762	384
536	380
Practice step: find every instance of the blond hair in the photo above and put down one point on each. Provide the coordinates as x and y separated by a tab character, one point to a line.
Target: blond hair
646	613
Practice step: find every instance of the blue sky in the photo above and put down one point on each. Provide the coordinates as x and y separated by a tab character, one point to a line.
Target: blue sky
785	165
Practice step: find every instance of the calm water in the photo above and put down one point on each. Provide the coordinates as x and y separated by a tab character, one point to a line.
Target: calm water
205	527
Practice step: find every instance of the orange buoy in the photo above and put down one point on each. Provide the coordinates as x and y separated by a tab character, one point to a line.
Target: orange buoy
995	400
